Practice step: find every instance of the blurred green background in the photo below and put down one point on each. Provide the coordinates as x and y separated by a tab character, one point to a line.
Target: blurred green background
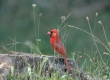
17	22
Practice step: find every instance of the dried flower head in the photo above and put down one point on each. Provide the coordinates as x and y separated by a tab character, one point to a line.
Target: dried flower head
63	18
33	5
40	14
96	14
100	22
87	18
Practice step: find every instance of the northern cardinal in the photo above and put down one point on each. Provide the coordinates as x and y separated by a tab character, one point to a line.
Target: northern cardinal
57	45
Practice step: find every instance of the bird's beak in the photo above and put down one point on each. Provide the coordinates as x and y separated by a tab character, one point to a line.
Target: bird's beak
49	33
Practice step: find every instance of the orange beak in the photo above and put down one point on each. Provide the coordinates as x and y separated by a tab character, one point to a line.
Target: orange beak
49	33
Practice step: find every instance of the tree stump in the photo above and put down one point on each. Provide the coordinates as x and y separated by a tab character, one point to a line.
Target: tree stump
22	61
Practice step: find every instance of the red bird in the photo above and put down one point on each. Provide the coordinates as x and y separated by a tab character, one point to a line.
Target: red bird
57	45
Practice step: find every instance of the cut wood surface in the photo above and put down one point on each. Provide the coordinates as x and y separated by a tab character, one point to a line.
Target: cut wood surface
21	61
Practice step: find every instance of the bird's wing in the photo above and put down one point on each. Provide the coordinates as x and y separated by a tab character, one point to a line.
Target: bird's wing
59	48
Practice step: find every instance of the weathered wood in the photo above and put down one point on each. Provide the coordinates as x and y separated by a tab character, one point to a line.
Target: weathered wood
21	61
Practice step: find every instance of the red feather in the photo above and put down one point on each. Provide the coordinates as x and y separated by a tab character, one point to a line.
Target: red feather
57	45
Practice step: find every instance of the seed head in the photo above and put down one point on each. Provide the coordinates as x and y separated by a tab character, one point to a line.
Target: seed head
96	14
63	18
87	18
33	5
40	14
100	22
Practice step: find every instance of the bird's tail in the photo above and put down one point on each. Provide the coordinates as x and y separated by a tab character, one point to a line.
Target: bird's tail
66	62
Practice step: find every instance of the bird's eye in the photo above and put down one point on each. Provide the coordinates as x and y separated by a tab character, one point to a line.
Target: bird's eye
51	32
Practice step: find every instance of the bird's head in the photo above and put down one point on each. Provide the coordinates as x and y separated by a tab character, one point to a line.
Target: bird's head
53	33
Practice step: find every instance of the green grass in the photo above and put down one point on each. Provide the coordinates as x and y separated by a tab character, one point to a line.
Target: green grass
96	65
